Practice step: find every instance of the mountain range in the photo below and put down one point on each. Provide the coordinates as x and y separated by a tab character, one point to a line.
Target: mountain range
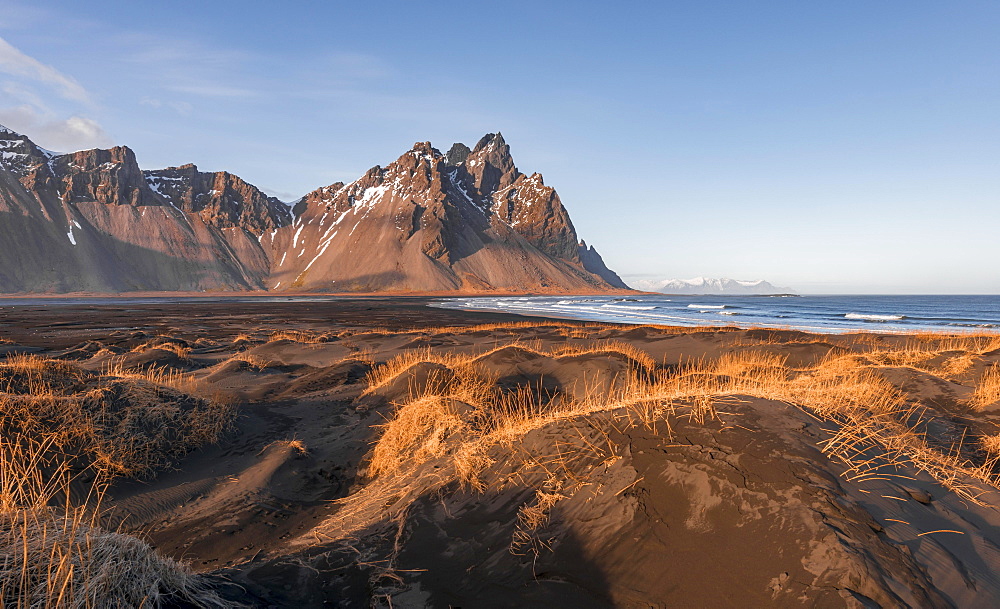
707	285
464	221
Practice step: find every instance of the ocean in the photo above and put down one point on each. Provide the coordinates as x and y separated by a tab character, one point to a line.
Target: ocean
828	314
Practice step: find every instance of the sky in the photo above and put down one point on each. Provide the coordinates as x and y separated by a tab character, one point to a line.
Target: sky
827	147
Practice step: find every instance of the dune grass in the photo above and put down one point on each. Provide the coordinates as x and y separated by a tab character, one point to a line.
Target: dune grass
987	390
65	434
55	551
872	424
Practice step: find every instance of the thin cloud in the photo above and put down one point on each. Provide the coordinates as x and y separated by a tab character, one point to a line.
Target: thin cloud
213	90
16	63
65	135
180	107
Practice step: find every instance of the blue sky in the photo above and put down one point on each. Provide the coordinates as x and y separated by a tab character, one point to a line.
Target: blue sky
849	147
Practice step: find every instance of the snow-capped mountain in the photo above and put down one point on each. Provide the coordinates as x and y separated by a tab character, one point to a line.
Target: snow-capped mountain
468	220
706	285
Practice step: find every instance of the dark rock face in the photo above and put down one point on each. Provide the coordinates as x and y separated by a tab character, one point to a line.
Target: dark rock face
111	177
457	154
468	220
593	262
88	221
220	198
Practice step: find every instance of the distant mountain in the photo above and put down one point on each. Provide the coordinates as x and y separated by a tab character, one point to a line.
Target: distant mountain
467	220
705	285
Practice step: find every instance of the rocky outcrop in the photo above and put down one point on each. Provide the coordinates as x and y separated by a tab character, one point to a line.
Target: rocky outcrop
523	202
594	263
19	155
219	198
110	177
465	221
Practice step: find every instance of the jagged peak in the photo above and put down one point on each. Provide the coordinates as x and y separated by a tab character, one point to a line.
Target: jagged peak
187	167
8	131
425	148
457	154
494	139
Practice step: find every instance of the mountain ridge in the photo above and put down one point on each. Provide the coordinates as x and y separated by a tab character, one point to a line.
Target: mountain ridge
467	221
708	286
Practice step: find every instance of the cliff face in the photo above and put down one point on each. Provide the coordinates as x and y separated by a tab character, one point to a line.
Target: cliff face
469	220
88	221
523	202
465	221
220	198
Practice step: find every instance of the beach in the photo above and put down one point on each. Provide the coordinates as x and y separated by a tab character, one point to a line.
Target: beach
375	451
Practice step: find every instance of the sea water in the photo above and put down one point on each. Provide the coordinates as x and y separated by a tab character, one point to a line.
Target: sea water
810	313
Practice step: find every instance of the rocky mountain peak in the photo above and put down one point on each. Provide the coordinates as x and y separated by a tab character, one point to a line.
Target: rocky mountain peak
490	165
220	198
491	141
468	220
425	148
109	176
20	155
594	263
457	154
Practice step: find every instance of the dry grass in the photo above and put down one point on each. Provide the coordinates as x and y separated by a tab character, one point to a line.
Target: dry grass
65	433
178	348
533	516
987	390
56	554
382	375
123	424
300	336
870	414
157	375
418	432
620	347
252	360
991	445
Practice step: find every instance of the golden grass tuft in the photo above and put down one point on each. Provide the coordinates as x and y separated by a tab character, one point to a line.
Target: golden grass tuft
987	390
252	360
299	336
127	424
382	375
181	350
418	432
608	346
991	444
55	552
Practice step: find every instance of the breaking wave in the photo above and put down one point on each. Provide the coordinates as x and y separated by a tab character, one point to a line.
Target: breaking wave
867	317
626	307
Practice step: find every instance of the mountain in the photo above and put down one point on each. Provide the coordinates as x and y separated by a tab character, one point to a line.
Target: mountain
705	285
467	221
89	221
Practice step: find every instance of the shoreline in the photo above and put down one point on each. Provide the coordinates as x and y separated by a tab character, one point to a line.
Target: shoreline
329	311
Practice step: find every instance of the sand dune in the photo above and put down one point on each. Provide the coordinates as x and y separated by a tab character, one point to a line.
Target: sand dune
375	458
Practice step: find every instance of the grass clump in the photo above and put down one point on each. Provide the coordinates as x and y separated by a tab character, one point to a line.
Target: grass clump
65	434
987	391
128	425
55	551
